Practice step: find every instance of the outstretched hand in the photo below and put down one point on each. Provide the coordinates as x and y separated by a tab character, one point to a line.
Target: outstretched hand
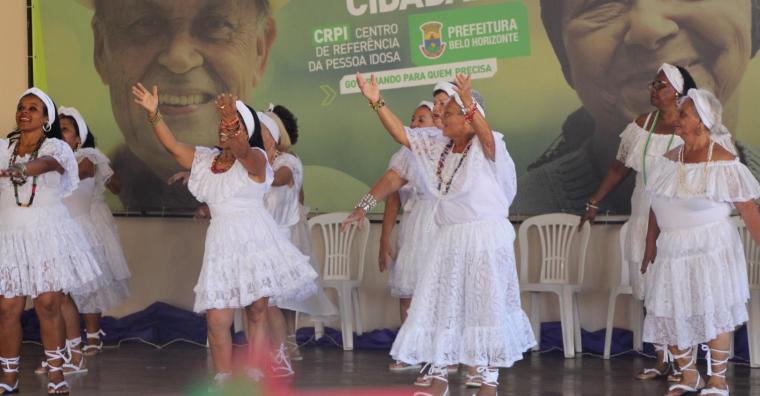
369	89
147	99
463	88
356	217
184	177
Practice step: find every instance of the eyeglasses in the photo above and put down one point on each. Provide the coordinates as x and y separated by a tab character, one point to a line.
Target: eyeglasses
657	85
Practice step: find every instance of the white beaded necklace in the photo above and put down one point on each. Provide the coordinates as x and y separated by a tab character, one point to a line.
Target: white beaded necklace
682	185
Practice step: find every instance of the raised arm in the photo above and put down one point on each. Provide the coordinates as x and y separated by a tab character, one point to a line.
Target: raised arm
483	131
181	152
617	172
751	216
392	124
236	139
653	232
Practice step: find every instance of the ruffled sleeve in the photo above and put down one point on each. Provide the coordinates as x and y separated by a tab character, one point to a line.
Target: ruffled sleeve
401	163
293	163
629	139
102	164
504	167
68	181
4	154
724	181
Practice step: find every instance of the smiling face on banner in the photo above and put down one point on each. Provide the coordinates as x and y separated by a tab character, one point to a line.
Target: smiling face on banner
614	48
191	49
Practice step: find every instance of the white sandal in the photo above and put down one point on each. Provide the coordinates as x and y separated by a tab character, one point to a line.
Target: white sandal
710	372
293	349
652	373
7	363
436	373
68	367
688	367
400	367
490	376
281	367
56	354
473	381
92	350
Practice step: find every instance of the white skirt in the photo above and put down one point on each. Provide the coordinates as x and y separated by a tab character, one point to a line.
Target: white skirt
49	253
318	306
698	286
247	258
111	286
415	237
466	308
634	254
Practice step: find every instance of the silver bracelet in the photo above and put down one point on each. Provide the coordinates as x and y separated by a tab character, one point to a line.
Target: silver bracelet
367	203
19	167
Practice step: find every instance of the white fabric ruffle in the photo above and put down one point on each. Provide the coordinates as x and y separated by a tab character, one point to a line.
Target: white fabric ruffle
466	309
725	181
222	185
103	220
103	170
415	237
697	286
633	143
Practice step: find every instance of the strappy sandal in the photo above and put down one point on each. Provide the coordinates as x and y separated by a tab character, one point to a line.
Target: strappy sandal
473	380
436	373
653	373
92	350
56	388
72	348
293	352
688	367
710	372
7	363
490	377
281	367
401	367
423	380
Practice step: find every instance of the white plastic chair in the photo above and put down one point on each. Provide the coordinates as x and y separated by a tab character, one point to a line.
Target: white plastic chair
337	264
557	233
752	255
621	289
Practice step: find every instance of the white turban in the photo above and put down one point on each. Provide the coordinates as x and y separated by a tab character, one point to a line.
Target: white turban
247	116
674	76
45	99
710	112
271	125
81	125
427	104
445	87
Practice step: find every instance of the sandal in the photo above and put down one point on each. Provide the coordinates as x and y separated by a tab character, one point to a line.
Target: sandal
423	380
710	372
60	388
688	367
293	352
436	373
489	377
473	380
7	363
401	367
653	373
92	350
72	348
281	367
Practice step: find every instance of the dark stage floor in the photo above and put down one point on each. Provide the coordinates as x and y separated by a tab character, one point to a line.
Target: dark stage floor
138	369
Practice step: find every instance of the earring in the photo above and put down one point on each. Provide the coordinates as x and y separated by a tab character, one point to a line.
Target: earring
46	128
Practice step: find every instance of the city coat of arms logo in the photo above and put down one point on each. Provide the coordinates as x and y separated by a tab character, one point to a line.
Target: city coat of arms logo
432	41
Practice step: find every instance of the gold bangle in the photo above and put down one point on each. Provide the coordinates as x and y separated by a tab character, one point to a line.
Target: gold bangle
154	118
376	106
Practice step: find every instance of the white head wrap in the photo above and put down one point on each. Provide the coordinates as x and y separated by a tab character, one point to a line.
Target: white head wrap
245	112
444	86
45	99
710	112
81	125
674	76
271	125
427	104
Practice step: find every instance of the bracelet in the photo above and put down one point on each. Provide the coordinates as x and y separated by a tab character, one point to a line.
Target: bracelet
470	114
590	205
376	106
154	118
19	167
367	203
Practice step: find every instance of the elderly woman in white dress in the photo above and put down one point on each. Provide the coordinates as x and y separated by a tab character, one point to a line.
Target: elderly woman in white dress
697	286
649	136
247	260
466	308
44	253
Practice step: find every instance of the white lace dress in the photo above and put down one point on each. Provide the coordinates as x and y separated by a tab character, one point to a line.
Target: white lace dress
411	238
698	285
635	143
246	255
42	249
284	205
466	309
88	207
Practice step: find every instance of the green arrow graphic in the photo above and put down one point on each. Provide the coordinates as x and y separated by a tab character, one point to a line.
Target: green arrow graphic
330	94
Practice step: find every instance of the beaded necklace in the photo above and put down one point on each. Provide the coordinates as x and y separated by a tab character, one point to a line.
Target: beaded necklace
646	146
681	166
18	182
442	161
216	168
